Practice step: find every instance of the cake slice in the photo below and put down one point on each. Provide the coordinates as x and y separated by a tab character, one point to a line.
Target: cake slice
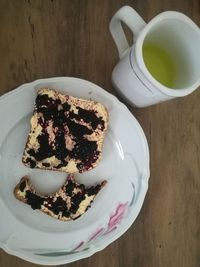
66	134
70	202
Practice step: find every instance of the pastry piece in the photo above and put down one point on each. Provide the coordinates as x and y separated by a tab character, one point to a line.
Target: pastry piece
66	133
70	202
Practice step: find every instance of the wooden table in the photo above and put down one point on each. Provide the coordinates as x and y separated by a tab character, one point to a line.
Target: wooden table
71	38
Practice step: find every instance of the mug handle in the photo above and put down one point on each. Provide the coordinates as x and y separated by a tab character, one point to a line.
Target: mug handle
134	22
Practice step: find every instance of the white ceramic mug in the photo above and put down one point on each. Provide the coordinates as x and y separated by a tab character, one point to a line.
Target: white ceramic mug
173	32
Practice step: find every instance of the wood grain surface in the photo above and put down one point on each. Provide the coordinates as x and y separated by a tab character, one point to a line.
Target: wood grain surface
46	38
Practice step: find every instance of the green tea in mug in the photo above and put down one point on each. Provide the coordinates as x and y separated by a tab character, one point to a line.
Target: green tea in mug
160	64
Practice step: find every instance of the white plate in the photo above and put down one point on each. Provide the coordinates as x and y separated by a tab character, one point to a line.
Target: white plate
38	238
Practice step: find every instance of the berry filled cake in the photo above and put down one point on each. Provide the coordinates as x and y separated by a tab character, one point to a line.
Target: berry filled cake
70	202
67	133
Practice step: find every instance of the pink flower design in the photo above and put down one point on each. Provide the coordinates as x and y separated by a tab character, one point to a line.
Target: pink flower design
78	246
96	233
117	217
114	221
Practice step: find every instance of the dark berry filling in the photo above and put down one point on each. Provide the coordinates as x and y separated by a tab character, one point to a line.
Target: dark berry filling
66	106
77	130
22	186
46	164
93	190
47	106
61	151
63	164
77	199
84	149
90	116
69	188
59	206
63	119
34	200
31	163
73	208
88	162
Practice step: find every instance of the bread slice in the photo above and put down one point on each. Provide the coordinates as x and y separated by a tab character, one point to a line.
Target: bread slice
67	133
70	202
